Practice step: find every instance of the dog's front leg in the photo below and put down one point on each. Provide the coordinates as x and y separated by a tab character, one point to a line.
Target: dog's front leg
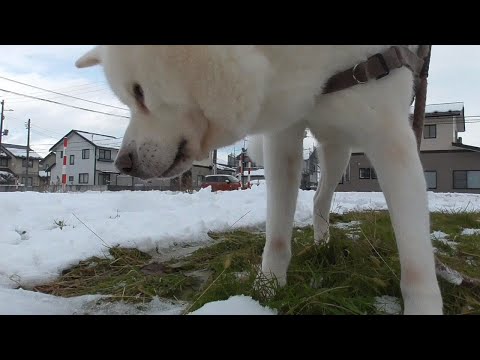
283	162
393	152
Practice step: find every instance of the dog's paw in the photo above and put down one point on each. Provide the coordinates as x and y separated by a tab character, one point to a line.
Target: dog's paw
322	237
424	304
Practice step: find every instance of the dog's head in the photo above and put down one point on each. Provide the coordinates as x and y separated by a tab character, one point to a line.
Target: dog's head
185	101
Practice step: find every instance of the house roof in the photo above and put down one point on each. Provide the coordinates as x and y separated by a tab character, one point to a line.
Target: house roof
467	147
446	109
49	169
224	167
48	156
19	151
97	140
5	171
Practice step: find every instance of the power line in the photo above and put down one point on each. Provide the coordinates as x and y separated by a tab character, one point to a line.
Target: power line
59	103
20	100
58	93
53	132
78	89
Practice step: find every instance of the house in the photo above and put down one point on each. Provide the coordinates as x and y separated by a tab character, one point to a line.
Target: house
309	179
45	168
449	164
90	161
90	158
13	160
243	157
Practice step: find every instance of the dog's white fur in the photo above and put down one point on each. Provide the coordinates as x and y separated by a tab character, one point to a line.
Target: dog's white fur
213	96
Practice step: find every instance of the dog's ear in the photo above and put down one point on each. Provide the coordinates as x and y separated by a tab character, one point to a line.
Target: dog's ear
91	58
228	83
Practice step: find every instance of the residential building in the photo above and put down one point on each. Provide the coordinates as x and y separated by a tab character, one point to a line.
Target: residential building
309	179
449	164
90	159
45	168
13	159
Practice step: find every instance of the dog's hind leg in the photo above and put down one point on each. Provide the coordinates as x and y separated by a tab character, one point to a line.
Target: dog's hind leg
392	149
333	161
283	162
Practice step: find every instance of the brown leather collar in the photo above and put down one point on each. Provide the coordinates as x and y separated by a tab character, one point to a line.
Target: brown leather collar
378	66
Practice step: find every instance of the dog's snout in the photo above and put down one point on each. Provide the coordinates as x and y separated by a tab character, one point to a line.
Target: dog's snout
124	162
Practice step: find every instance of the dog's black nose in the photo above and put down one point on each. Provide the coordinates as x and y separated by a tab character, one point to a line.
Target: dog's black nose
124	162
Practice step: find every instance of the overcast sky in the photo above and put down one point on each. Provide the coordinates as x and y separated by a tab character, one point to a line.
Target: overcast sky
454	76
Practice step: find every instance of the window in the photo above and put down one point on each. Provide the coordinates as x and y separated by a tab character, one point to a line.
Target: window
72	159
430	131
364	173
104	154
374	174
83	178
473	179
24	163
431	178
70	178
465	179
232	179
4	162
342	180
61	154
86	154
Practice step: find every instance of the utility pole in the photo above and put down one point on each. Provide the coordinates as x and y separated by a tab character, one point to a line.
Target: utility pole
215	162
1	124
2	117
28	155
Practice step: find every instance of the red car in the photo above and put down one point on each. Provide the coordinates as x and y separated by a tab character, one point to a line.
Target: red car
222	182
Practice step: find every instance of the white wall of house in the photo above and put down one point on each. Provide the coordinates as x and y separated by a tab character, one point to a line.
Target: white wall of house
76	145
445	134
106	165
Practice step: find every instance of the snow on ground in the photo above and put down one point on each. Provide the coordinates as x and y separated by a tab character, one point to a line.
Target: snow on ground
452	276
388	304
235	305
353	228
470	232
22	302
40	234
443	238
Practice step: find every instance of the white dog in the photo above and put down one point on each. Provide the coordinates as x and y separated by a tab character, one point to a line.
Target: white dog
188	100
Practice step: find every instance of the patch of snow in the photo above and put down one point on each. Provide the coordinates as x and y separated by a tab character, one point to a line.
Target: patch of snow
235	305
443	238
470	232
388	304
24	302
452	276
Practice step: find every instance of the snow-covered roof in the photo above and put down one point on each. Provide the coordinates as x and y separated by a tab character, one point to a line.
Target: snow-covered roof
223	167
42	173
442	108
20	151
100	140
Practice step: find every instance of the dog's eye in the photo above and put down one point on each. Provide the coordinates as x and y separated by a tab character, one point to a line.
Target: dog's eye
138	92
